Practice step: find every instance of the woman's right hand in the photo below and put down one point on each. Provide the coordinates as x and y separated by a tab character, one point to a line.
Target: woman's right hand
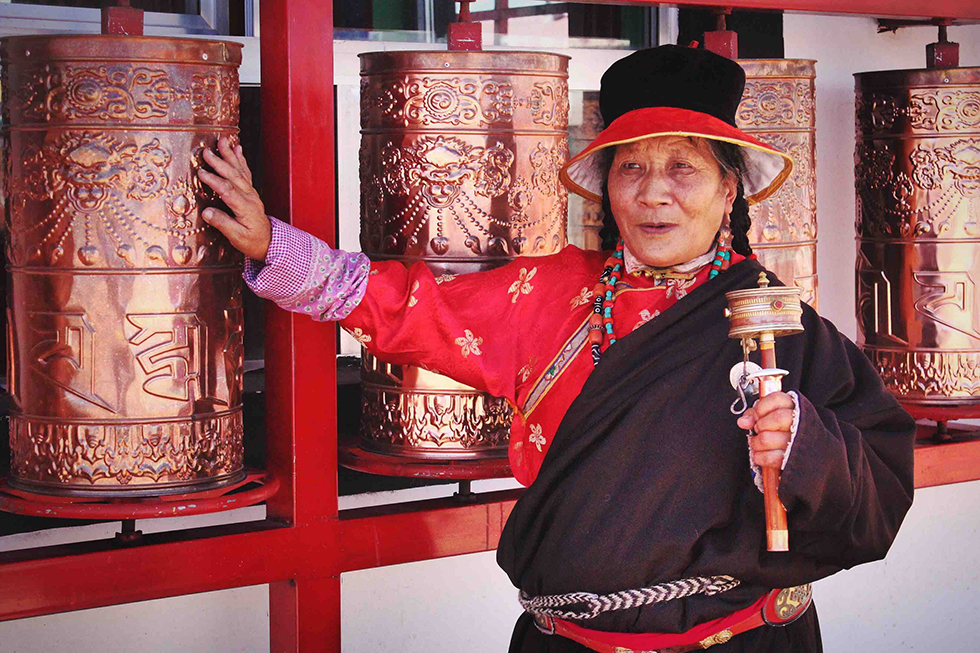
249	230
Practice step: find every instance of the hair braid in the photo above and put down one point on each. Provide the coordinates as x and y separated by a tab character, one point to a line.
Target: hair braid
740	223
609	234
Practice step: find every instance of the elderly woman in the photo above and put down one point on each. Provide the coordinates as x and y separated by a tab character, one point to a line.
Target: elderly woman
642	527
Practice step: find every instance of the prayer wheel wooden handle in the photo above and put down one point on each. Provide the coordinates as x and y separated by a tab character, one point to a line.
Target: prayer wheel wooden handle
767	313
777	530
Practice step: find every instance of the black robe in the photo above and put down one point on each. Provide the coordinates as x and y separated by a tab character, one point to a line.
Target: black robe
648	478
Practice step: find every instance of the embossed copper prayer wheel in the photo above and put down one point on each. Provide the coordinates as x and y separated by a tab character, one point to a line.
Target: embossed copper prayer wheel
778	108
460	153
585	216
124	337
917	179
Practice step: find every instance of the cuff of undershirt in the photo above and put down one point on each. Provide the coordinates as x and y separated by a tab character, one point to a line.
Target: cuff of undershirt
794	428
286	268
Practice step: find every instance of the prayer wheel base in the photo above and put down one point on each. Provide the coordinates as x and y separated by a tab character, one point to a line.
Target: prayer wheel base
116	492
942	413
251	487
352	456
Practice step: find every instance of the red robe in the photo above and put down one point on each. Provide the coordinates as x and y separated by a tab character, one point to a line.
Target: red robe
519	331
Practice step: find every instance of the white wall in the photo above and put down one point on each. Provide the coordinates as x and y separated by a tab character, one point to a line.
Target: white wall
921	598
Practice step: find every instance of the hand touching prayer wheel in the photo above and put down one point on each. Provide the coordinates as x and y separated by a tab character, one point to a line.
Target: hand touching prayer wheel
764	314
640	528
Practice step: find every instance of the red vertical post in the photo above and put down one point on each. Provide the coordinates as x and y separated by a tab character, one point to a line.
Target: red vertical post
300	355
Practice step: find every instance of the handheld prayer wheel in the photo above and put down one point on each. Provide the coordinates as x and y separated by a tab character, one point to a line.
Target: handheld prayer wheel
917	181
460	153
765	314
124	310
777	107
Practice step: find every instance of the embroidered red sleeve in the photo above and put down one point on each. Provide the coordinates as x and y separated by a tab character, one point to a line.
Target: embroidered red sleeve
467	327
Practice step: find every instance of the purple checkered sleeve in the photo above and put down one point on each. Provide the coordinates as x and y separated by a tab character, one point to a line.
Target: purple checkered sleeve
302	274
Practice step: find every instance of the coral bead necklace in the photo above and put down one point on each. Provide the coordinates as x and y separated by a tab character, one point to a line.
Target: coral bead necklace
601	320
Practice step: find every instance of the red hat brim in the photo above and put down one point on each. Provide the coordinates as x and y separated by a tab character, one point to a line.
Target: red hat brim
766	167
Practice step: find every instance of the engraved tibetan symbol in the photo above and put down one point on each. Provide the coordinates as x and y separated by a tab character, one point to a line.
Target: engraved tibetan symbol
171	349
65	354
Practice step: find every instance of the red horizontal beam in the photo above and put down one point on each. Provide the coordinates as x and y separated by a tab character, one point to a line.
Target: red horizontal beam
969	9
85	575
95	574
388	535
943	464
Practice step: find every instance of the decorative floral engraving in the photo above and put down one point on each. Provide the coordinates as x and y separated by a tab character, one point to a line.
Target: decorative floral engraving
944	110
214	96
86	180
876	112
960	160
394	419
68	92
915	375
790	214
549	104
766	102
546	164
121	455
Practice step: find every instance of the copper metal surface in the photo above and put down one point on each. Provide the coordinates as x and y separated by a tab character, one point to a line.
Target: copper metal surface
917	178
778	108
124	309
459	161
585	216
753	311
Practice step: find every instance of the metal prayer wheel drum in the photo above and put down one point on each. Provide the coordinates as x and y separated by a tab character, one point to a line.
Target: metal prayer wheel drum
585	216
124	310
917	179
777	107
459	161
774	310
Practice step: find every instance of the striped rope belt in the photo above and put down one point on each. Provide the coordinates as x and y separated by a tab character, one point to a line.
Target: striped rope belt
556	605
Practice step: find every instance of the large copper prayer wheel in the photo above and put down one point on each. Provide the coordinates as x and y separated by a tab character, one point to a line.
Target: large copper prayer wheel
917	179
459	161
778	108
124	310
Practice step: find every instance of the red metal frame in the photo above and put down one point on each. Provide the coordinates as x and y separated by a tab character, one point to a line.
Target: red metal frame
304	544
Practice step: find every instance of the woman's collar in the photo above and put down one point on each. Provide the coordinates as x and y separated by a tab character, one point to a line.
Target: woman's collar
686	270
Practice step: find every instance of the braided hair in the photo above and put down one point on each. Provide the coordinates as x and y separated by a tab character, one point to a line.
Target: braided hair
730	159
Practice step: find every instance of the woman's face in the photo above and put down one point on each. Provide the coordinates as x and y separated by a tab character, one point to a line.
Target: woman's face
669	198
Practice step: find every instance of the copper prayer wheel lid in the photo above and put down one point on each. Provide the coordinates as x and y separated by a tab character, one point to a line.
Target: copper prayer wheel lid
752	311
99	48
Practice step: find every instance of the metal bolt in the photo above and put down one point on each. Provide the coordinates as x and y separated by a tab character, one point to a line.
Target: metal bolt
204	55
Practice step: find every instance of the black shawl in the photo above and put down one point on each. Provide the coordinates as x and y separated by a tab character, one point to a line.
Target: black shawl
648	479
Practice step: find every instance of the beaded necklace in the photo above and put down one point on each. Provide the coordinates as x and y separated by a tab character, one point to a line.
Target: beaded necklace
601	320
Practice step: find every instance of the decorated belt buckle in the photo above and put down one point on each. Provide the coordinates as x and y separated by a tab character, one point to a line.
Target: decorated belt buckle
544	623
783	607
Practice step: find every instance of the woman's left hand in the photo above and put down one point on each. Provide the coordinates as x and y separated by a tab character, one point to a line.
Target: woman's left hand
772	420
